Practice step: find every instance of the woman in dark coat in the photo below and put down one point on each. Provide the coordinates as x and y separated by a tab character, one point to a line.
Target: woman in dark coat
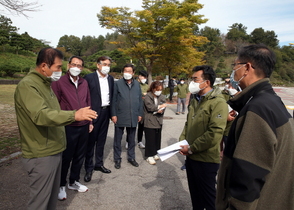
154	106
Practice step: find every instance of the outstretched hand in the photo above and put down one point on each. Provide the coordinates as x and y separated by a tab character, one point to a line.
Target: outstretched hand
85	114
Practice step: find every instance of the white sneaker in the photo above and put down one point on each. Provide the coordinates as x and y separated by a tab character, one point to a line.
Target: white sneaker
62	194
127	145
151	161
141	145
77	186
156	157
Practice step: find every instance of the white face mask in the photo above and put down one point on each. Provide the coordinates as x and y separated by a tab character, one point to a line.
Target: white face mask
143	81
182	82
157	93
75	71
226	87
194	87
55	76
128	76
105	70
232	91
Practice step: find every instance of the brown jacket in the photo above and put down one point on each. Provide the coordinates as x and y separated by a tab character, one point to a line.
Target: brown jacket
152	120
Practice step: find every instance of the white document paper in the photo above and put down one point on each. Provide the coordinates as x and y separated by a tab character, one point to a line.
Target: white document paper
171	150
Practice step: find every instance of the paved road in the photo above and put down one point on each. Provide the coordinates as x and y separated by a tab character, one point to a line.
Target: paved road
163	186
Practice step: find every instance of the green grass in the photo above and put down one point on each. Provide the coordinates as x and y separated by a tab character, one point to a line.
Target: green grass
9	137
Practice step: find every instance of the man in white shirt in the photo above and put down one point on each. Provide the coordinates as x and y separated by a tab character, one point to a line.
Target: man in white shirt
101	90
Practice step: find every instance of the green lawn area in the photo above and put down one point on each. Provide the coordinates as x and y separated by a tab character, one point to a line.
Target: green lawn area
9	135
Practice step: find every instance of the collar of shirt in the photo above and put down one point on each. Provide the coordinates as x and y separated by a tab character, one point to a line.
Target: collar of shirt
198	97
129	84
75	82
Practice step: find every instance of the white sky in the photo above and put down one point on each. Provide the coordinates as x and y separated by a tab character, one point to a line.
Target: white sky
79	17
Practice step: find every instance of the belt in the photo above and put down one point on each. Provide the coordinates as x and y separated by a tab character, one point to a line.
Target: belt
104	107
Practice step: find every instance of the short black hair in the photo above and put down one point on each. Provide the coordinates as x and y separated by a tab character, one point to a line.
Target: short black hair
75	56
182	79
47	55
208	73
143	73
104	58
263	59
129	65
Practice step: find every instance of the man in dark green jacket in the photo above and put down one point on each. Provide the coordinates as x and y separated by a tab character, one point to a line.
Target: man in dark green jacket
182	90
41	126
257	167
204	128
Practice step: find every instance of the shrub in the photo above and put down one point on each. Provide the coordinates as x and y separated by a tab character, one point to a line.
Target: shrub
10	69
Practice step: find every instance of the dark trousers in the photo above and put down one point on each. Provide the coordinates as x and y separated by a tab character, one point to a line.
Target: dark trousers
74	154
140	131
97	139
171	92
202	180
118	133
44	179
153	141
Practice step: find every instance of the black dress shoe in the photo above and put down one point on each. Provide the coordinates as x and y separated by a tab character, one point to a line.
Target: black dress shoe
102	169
117	164
88	177
133	162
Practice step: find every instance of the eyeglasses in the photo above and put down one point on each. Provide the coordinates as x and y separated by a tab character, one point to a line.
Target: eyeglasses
105	64
235	64
76	65
195	79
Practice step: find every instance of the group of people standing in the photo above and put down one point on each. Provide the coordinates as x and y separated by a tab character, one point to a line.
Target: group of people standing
258	142
65	120
63	123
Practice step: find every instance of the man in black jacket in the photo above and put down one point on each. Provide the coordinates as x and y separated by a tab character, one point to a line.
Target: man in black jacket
101	90
171	84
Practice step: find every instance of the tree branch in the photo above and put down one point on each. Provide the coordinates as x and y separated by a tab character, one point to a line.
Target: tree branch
19	7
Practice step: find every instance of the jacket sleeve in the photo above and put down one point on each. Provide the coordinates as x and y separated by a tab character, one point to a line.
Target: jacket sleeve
149	104
253	159
215	128
114	100
141	112
42	111
55	87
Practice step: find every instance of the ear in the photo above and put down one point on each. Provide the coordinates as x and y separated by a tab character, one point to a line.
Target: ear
44	66
249	68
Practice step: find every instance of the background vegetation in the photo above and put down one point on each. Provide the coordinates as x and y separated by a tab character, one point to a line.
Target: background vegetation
163	38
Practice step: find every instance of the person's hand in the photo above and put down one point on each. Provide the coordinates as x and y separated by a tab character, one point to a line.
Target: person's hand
114	119
139	118
184	150
91	126
162	106
85	114
160	111
231	115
